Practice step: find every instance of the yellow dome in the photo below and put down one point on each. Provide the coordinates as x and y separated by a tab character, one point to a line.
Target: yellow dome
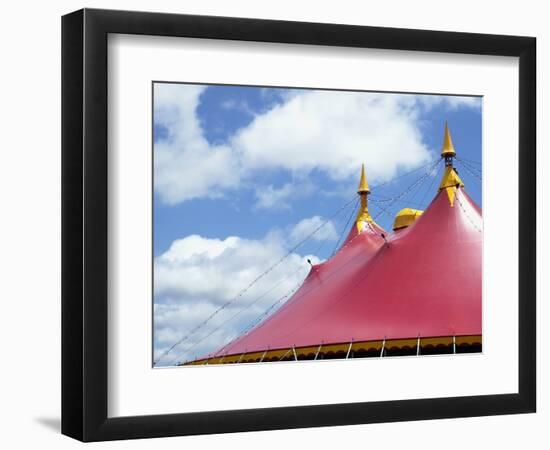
406	217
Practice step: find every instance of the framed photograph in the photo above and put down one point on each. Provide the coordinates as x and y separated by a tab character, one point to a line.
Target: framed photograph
273	224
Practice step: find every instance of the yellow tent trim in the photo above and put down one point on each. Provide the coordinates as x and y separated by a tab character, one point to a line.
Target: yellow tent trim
309	352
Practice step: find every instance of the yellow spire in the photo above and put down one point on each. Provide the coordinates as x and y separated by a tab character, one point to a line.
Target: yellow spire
448	148
363	215
450	181
363	185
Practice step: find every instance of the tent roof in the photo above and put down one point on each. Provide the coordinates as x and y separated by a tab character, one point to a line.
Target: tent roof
424	280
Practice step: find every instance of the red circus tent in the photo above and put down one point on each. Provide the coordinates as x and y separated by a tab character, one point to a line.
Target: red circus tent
414	290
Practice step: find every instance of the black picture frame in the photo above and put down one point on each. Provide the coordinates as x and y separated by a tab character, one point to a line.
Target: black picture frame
84	224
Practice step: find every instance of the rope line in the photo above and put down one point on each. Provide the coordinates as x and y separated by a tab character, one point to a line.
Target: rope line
187	350
430	173
429	189
467	215
345	228
469	160
470	171
382	210
477	170
408	202
326	239
249	327
406	173
415	184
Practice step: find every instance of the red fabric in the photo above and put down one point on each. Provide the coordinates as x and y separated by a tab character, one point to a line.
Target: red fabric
424	281
369	229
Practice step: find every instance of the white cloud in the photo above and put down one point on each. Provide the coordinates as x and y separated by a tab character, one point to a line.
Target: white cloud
451	102
270	197
328	131
186	165
235	105
335	132
304	228
197	275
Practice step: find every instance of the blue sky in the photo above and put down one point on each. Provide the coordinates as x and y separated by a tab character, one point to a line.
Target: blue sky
243	173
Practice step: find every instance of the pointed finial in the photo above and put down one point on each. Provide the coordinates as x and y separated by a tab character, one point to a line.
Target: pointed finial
363	185
363	215
448	149
451	181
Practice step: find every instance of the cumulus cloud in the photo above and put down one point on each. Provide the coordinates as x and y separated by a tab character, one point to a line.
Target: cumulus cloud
304	228
451	102
270	197
235	105
335	132
198	275
186	165
327	131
